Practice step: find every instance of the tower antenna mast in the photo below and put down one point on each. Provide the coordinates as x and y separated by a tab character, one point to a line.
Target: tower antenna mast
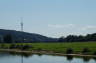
21	24
22	37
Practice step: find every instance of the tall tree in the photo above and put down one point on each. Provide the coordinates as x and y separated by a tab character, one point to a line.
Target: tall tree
8	38
61	39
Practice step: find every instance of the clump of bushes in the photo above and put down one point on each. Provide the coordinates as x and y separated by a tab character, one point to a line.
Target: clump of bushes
39	49
94	53
26	47
22	47
69	51
2	46
18	46
12	46
86	51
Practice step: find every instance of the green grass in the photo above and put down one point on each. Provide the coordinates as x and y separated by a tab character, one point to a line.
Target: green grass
61	47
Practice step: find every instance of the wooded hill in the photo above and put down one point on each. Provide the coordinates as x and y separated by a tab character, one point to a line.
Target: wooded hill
18	36
13	36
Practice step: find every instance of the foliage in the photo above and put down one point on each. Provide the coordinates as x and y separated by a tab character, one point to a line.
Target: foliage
26	47
61	39
12	46
58	47
85	51
94	53
69	51
8	38
80	38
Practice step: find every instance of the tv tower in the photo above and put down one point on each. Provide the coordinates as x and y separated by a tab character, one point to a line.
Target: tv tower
21	24
22	38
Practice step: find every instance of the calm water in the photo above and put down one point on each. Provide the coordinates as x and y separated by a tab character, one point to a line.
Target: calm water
37	58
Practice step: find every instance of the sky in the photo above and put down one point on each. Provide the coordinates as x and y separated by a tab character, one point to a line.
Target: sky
52	18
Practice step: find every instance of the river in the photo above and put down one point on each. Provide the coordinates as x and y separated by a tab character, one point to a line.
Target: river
42	58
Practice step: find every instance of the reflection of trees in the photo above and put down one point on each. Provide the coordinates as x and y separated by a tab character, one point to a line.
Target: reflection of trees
22	54
86	59
69	57
4	54
39	54
94	58
13	53
27	54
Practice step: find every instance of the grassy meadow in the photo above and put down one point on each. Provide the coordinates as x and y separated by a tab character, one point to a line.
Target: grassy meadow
77	47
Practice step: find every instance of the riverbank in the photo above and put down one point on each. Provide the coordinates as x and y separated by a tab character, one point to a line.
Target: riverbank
44	52
75	48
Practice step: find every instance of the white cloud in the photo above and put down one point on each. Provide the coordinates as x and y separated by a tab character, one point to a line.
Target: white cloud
67	29
90	27
61	25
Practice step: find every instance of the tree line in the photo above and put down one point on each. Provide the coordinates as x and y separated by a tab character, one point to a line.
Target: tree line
70	38
80	38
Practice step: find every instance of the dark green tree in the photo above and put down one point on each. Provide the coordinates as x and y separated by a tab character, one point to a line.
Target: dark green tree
61	39
86	51
69	51
8	38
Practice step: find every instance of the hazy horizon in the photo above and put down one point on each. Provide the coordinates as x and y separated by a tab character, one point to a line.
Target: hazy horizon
52	18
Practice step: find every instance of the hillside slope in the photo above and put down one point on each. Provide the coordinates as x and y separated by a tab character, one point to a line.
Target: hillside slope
28	37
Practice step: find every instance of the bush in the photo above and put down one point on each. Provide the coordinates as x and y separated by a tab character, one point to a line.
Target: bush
2	46
85	51
39	49
69	51
25	47
94	53
12	46
18	46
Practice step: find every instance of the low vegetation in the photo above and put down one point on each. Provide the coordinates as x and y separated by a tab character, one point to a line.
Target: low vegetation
76	47
86	51
69	51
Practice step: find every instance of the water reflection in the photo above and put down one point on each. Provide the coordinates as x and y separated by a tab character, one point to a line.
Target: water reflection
3	54
86	59
94	58
21	54
69	57
35	58
26	55
39	54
